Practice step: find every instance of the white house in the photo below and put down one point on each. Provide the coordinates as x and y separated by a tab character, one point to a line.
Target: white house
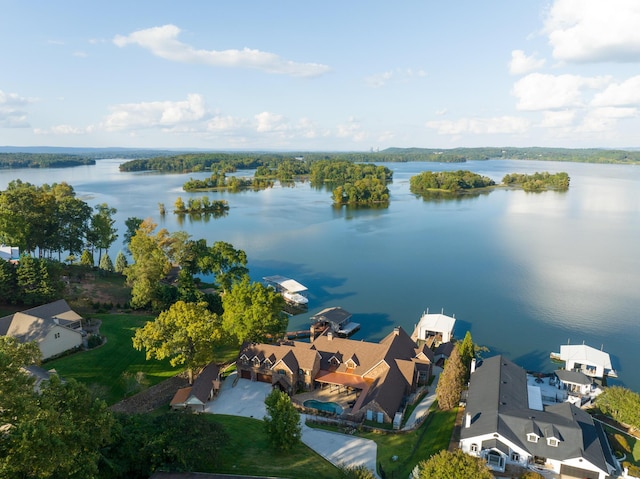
590	361
506	423
9	253
436	326
55	327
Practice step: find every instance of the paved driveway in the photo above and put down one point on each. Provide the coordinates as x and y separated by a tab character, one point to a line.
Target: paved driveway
246	399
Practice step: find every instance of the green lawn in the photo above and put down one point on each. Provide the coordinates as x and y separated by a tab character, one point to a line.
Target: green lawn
629	443
248	452
102	368
411	448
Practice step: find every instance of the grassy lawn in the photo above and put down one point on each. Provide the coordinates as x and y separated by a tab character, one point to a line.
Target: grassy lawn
248	452
625	444
102	369
410	448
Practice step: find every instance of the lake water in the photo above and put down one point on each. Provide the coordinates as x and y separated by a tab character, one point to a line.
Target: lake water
523	272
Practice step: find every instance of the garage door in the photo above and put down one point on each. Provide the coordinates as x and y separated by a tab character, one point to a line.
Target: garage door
244	374
570	472
264	378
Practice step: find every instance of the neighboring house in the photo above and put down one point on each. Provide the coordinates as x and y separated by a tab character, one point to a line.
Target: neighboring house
381	374
575	382
9	253
55	327
205	386
434	329
506	423
336	318
40	375
590	361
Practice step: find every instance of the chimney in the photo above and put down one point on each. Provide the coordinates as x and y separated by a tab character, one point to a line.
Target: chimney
473	365
467	420
330	335
396	330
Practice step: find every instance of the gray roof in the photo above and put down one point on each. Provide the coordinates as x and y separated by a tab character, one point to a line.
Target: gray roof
575	377
34	324
498	403
335	315
204	382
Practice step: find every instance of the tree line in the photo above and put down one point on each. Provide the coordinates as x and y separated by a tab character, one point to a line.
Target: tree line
538	181
42	160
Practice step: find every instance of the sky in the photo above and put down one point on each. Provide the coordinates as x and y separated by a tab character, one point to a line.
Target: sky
320	76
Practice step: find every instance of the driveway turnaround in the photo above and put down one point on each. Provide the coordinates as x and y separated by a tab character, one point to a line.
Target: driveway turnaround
246	399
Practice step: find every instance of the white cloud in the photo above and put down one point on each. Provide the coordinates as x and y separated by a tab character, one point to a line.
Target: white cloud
620	94
270	122
400	75
521	63
605	119
224	123
594	30
538	91
351	129
163	42
12	113
157	113
503	124
558	119
63	130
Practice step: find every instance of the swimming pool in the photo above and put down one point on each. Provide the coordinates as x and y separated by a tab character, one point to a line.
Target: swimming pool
332	407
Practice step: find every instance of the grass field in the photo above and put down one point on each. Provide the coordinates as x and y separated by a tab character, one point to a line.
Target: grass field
248	452
411	448
103	369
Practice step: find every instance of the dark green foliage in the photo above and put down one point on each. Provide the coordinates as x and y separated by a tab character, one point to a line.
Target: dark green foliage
175	441
538	181
201	206
454	465
8	282
363	192
356	472
621	404
343	172
37	281
460	180
132	224
102	233
282	422
42	160
451	381
467	353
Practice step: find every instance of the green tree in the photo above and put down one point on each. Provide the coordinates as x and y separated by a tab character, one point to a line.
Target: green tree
453	465
467	353
131	224
103	233
121	262
227	264
86	259
282	422
16	386
68	428
28	276
355	472
8	282
451	381
106	264
149	267
186	334
621	404
253	312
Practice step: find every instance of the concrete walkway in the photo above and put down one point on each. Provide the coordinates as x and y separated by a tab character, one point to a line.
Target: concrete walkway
422	409
246	399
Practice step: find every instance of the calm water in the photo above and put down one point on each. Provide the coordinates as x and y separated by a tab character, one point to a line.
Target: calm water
523	272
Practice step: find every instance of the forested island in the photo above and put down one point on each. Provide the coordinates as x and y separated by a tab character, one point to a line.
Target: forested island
200	206
455	183
42	160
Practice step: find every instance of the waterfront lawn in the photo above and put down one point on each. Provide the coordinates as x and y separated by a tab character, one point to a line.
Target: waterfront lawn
105	369
410	448
248	452
625	444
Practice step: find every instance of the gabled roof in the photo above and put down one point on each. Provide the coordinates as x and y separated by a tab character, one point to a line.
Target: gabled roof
584	353
34	324
439	323
335	315
204	382
498	403
575	377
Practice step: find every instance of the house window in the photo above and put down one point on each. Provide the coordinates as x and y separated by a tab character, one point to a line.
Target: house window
474	447
256	362
515	457
531	437
282	371
553	442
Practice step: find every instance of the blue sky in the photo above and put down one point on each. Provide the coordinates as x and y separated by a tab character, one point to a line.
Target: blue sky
332	75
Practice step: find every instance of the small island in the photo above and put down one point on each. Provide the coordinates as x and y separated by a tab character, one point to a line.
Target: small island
454	184
200	206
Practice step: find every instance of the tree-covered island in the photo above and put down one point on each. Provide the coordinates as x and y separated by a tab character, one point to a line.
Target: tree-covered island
455	183
200	206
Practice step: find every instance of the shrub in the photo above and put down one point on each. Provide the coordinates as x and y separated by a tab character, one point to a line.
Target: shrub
94	341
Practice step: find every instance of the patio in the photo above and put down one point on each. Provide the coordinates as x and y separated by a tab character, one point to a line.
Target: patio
345	397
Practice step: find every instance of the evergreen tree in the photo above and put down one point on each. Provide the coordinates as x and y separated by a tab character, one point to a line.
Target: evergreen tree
8	282
28	280
86	259
106	264
467	353
121	262
46	291
451	381
282	421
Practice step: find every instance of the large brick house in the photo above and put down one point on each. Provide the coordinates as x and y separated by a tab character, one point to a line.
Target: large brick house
381	374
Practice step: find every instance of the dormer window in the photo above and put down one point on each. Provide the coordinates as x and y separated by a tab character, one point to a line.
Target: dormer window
256	361
350	364
532	437
334	361
552	441
267	363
